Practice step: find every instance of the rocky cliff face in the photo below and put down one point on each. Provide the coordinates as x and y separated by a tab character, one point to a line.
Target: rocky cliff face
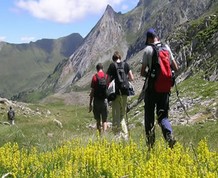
98	46
126	33
165	16
195	45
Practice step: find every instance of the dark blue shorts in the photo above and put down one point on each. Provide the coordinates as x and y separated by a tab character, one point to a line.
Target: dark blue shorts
100	109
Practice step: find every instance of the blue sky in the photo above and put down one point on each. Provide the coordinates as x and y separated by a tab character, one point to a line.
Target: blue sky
23	21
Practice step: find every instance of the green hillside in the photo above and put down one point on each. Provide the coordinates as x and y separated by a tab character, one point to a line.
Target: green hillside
26	66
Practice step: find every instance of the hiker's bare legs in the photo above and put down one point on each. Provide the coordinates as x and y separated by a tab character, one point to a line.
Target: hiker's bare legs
104	126
100	114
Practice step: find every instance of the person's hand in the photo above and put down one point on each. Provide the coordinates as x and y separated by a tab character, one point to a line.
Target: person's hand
90	108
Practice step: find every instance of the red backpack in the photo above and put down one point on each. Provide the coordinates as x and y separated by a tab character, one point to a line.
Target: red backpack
161	71
101	87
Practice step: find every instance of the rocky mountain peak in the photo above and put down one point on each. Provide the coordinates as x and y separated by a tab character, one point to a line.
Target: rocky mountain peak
143	2
109	11
106	36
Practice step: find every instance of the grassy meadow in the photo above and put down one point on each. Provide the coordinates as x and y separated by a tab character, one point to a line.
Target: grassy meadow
37	146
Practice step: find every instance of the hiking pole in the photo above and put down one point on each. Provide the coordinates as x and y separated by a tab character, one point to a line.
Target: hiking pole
127	123
180	101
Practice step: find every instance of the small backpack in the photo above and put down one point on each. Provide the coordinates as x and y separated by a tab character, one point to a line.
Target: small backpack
121	82
161	72
101	88
111	91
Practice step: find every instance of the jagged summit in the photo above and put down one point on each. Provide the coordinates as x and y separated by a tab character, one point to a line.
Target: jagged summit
143	2
109	11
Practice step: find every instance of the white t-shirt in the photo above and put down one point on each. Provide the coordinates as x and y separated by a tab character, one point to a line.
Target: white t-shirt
148	53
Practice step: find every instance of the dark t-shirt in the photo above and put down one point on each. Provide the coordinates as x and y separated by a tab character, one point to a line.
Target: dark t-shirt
112	72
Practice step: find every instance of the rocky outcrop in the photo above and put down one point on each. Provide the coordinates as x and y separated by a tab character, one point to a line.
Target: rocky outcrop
195	47
106	37
165	17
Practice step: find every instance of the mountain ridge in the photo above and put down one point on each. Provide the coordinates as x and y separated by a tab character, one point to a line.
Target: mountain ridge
125	33
25	66
81	62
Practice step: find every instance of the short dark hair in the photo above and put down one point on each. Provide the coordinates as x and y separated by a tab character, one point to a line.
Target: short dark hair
99	66
116	56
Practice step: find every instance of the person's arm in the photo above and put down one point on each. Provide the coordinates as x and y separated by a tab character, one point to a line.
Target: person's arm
91	99
130	76
91	95
108	80
147	56
109	71
174	65
143	73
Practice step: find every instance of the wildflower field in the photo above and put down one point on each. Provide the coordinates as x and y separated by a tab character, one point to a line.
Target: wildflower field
112	159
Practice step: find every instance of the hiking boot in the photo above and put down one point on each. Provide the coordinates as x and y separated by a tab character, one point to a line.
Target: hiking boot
128	108
150	140
124	136
117	137
171	143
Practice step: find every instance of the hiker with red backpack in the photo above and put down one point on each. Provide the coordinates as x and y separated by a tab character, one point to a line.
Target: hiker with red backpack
98	97
120	72
157	65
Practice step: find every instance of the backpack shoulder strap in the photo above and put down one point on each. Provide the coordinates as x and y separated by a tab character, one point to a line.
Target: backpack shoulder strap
104	76
123	64
154	55
116	65
161	46
97	76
